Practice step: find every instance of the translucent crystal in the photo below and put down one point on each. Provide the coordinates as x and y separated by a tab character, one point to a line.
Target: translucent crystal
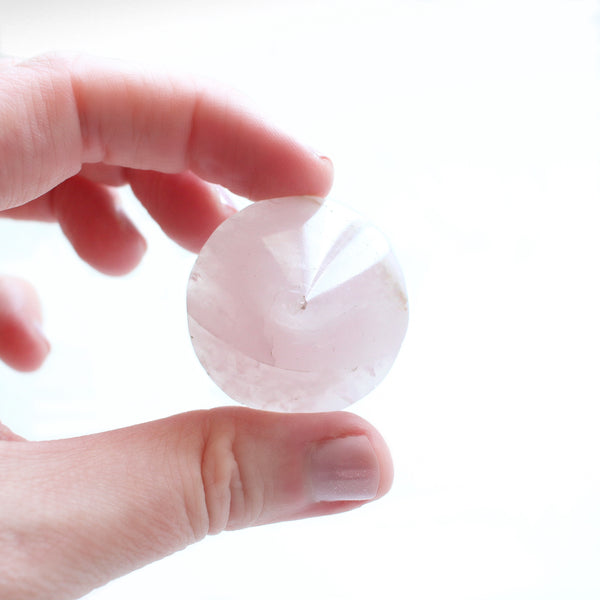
297	305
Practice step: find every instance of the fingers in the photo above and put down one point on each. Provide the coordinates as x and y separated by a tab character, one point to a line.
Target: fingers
6	435
23	346
105	174
100	232
91	219
110	503
56	114
40	209
187	208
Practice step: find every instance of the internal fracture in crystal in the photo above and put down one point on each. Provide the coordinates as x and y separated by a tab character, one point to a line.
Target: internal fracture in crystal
296	304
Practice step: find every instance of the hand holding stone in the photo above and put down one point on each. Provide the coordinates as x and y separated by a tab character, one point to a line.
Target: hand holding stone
77	513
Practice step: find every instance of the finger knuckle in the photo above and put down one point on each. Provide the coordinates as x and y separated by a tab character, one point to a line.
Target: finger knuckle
229	494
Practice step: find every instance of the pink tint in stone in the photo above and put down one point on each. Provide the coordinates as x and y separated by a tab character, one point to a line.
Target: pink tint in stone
296	304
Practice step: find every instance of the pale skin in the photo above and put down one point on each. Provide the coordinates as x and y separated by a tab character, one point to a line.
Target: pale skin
76	513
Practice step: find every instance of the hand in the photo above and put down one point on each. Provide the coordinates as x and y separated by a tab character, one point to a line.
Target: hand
77	513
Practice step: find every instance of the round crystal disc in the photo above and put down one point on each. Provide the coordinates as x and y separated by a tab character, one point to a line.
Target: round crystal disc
296	304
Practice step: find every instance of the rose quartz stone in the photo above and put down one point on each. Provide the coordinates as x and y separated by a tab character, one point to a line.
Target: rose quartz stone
296	304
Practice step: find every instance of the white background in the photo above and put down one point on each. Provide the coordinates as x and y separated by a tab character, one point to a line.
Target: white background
470	132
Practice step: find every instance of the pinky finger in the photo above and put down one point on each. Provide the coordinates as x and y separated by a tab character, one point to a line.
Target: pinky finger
23	346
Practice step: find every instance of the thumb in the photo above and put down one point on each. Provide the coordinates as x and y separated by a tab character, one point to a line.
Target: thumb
77	513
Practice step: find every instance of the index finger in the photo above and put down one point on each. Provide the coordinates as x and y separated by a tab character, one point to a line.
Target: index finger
57	113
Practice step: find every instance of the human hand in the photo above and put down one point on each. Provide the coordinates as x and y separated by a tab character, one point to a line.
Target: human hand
76	513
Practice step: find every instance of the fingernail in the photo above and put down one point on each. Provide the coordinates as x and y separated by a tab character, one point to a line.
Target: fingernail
316	152
127	228
324	159
141	243
344	469
41	335
328	163
233	205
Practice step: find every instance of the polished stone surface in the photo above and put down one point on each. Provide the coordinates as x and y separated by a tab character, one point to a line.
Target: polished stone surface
297	305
